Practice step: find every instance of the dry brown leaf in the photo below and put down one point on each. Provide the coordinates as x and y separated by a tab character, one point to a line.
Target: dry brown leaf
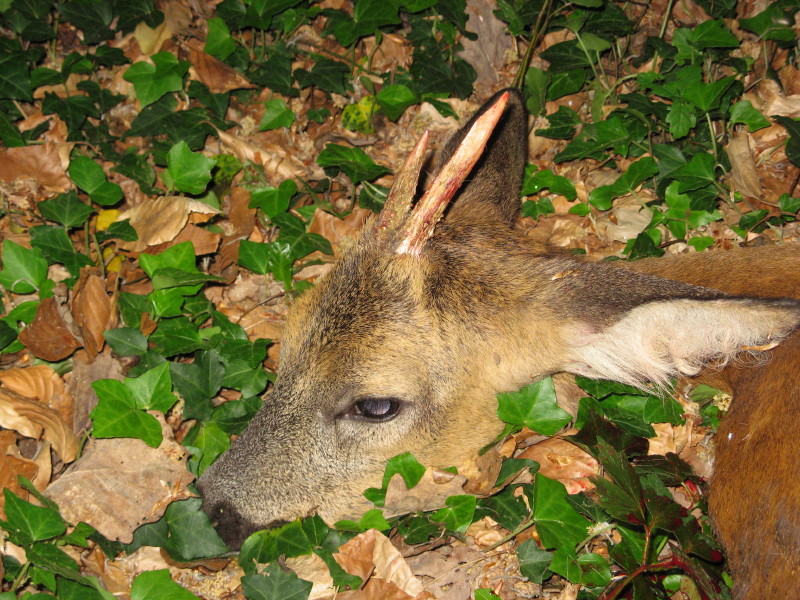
215	74
84	373
43	162
630	218
743	167
278	161
11	466
565	462
151	40
429	494
119	484
312	568
160	220
42	383
34	419
371	554
48	336
203	240
785	106
38	381
449	572
93	311
486	54
337	230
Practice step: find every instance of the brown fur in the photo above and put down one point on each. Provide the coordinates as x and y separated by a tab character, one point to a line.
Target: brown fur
484	310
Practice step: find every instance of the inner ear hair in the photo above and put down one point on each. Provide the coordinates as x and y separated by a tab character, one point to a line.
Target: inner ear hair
659	340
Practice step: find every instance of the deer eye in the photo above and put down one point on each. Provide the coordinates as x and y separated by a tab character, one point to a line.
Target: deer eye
375	409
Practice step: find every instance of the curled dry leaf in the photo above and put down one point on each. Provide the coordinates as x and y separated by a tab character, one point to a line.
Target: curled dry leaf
337	230
48	337
278	161
785	106
34	419
160	220
11	466
565	462
203	240
380	565
487	53
450	572
743	167
46	163
312	568
84	373
121	483
93	311
429	494
215	74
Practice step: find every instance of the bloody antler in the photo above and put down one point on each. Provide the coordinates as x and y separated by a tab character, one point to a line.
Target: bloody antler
419	224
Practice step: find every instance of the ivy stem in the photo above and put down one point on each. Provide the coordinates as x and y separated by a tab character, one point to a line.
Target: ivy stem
667	13
536	38
21	577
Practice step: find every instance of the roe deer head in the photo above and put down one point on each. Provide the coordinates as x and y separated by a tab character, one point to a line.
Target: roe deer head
404	345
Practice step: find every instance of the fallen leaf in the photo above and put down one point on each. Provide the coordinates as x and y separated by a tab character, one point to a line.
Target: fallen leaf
46	163
93	311
371	554
119	484
40	382
429	494
11	467
84	373
560	460
48	336
278	161
215	74
160	220
34	419
312	568
743	167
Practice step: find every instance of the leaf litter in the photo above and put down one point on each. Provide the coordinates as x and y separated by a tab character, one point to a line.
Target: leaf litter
118	484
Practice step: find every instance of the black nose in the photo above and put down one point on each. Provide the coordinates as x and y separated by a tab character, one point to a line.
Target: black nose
231	526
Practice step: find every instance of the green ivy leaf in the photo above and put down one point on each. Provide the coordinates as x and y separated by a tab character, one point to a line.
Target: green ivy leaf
219	42
354	162
65	209
275	584
559	525
406	466
265	546
28	523
152	81
190	171
276	116
158	585
24	271
602	197
535	407
116	414
126	341
90	177
273	201
534	563
393	100
457	513
744	112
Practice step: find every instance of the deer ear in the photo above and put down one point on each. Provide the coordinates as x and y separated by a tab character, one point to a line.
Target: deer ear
494	183
659	340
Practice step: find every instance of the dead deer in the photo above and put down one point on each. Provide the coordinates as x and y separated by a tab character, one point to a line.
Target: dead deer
405	344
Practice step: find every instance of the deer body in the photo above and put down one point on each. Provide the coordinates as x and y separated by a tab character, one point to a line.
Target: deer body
407	341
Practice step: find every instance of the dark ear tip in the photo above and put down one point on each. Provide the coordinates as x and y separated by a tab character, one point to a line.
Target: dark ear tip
515	99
